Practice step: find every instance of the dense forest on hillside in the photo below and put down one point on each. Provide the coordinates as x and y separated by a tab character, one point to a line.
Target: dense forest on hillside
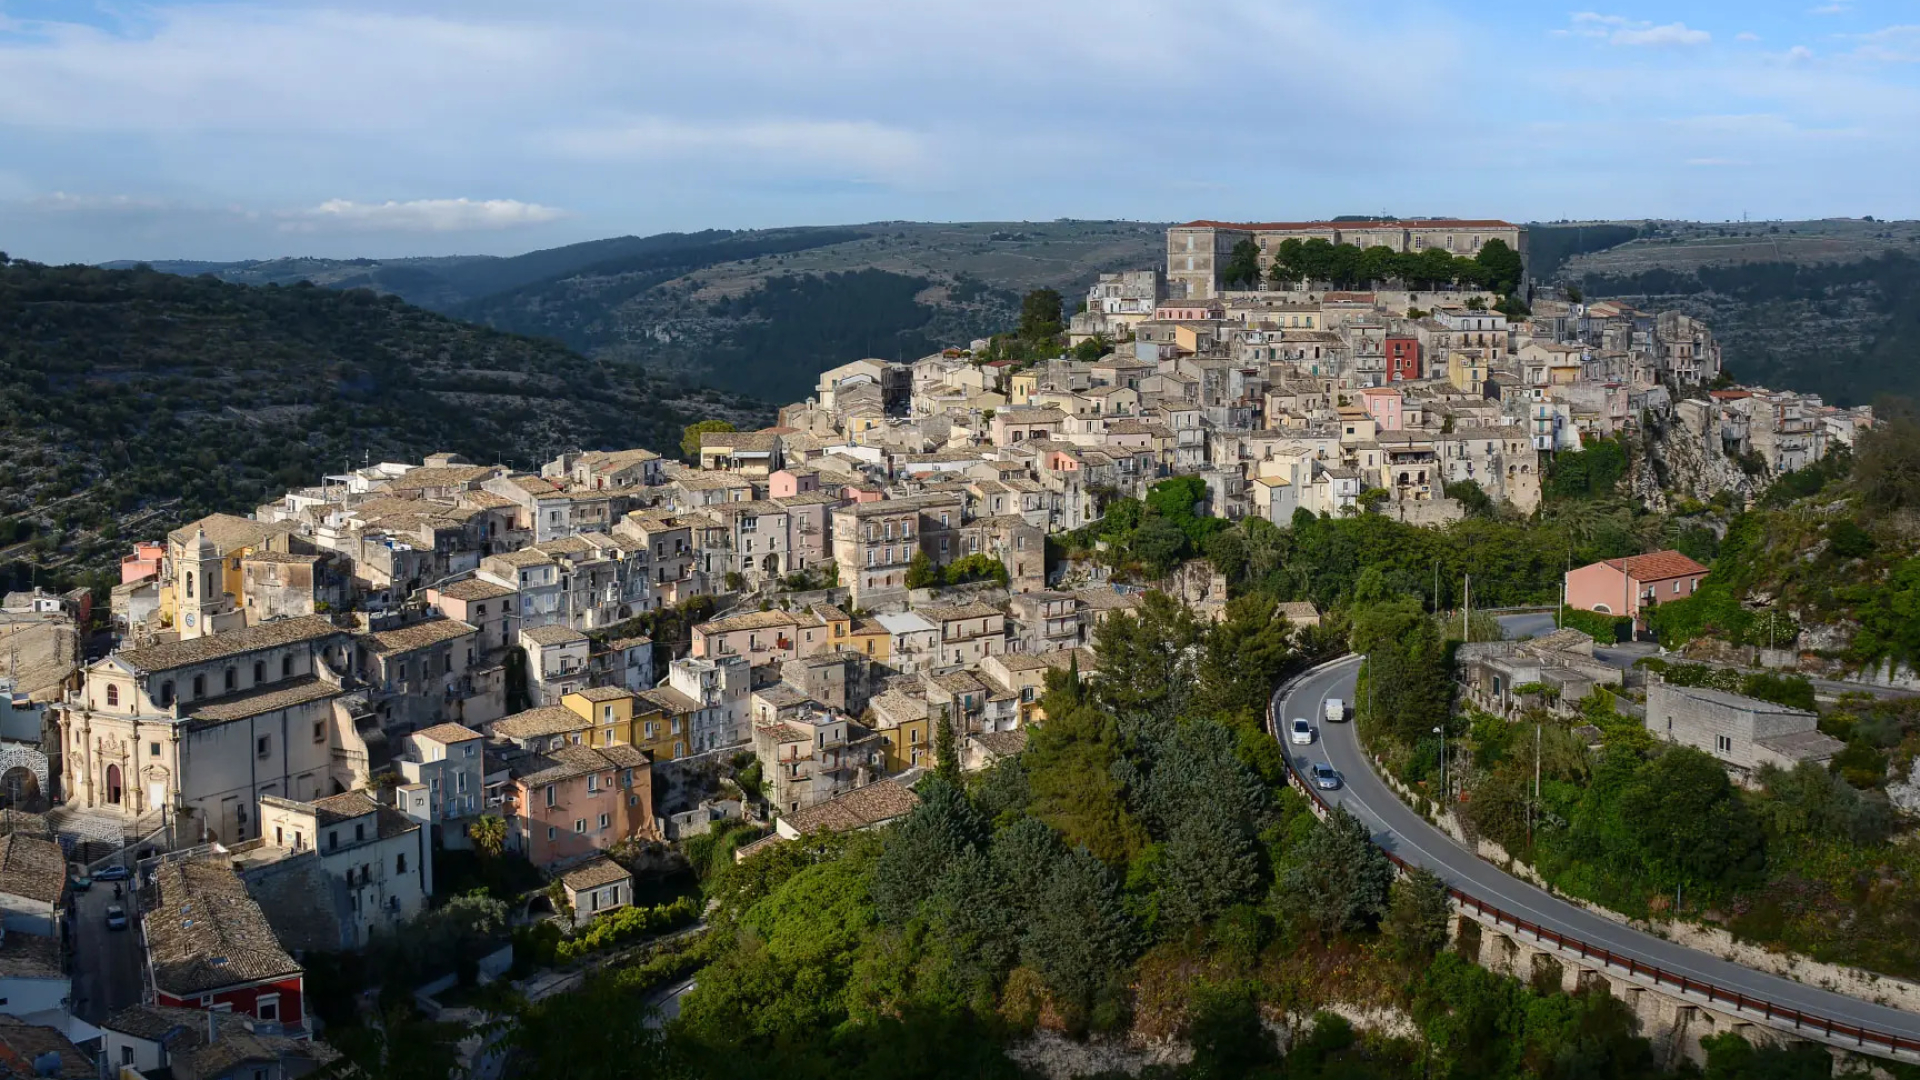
1550	246
132	400
1849	331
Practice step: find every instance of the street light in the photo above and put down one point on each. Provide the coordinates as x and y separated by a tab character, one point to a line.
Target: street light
1442	732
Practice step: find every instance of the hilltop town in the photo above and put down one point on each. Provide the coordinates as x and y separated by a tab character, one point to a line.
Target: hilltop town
304	706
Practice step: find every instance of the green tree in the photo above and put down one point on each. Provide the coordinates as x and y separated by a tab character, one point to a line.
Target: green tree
1688	824
1418	910
1078	934
1500	267
489	833
1335	881
1228	1038
1040	316
690	436
919	848
399	1045
1242	270
1377	264
921	573
1288	266
1092	349
1159	545
1070	769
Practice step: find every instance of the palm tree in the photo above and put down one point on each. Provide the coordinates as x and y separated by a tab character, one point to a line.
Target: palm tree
489	834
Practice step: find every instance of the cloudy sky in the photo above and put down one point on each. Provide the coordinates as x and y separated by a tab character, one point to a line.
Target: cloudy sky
225	130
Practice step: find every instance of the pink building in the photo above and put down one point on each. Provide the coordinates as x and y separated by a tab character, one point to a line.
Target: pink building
1383	403
786	483
1627	586
144	562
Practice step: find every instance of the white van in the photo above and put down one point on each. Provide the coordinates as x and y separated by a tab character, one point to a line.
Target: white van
1336	710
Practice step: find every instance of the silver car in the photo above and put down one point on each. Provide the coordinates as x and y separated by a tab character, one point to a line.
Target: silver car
1324	777
1302	731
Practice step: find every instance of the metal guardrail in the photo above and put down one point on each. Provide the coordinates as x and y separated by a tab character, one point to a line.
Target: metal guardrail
1732	999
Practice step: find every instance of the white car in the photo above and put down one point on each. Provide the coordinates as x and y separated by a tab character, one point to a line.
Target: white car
1302	732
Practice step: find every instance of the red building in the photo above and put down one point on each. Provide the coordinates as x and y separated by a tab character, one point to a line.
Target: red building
209	946
1403	358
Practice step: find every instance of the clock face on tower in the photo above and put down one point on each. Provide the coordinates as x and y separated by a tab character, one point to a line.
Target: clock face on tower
189	618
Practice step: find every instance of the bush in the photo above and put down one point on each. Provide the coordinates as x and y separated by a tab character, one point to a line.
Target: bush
1601	627
546	944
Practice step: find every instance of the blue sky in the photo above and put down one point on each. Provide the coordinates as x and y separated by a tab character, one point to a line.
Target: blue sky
225	130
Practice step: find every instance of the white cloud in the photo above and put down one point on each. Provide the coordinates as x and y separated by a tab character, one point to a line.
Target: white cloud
69	202
1672	34
1890	45
1746	35
1620	30
419	216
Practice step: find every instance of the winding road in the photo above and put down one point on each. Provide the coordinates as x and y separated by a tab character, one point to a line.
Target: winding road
1398	830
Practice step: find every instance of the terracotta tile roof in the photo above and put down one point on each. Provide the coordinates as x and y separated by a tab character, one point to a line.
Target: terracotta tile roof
536	723
1349	226
228	532
553	634
345	806
24	1042
1657	566
1001	743
267	635
204	932
565	764
876	804
448	733
418	636
594	874
32	868
473	589
279	696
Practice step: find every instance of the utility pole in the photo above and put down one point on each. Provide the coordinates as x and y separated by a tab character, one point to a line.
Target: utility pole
1436	586
1441	731
1466	608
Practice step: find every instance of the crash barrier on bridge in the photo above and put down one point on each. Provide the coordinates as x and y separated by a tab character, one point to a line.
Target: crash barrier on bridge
1830	1030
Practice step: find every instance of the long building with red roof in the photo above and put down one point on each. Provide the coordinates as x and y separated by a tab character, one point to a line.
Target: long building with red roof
1197	251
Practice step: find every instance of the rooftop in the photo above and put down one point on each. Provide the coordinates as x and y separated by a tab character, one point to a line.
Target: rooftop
1657	566
536	723
448	733
418	636
553	635
267	635
283	695
594	873
204	932
876	804
33	868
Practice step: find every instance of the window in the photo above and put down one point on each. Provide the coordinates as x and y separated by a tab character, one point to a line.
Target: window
593	784
259	671
263	746
359	831
231	678
1676	588
1723	743
199	686
552	832
113	694
153	749
606	820
400	863
286	667
166	693
551	797
333	840
580	825
319	731
269	1009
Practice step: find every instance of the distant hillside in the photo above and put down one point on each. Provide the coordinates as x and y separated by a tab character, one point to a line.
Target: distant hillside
758	312
1849	331
133	400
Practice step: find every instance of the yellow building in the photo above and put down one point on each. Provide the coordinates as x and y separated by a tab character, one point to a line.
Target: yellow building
905	721
1467	372
664	729
619	716
204	596
1022	385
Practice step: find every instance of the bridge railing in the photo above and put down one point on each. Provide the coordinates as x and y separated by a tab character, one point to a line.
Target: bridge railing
1897	1045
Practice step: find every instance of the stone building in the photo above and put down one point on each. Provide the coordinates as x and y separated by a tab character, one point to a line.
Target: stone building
1742	732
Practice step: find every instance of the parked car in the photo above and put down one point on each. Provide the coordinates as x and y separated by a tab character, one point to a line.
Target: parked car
1302	732
1324	776
112	873
80	882
116	917
1336	710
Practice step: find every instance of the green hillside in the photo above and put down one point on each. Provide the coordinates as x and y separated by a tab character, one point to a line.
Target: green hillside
132	400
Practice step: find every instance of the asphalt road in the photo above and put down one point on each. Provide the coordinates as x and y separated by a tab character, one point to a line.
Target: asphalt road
106	963
1399	830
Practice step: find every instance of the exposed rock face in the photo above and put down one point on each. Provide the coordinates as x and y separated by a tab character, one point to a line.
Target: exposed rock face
1680	457
1905	794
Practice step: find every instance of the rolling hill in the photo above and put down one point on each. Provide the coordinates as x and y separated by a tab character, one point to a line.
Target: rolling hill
133	400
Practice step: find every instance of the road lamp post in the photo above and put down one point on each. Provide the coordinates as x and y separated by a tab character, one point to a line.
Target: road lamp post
1442	732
